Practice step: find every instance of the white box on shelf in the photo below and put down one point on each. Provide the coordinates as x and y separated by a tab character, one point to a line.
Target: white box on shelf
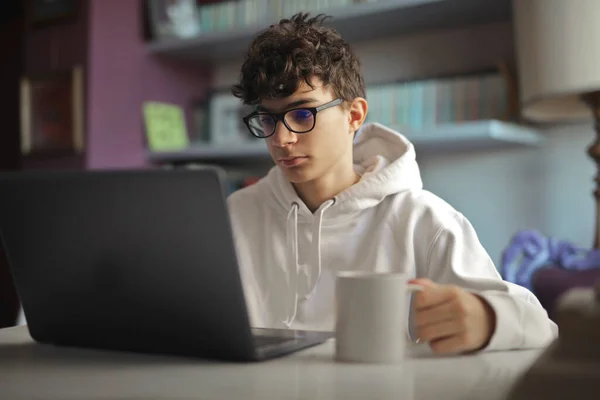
225	115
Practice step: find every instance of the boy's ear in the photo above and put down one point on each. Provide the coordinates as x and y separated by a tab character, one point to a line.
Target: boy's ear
357	113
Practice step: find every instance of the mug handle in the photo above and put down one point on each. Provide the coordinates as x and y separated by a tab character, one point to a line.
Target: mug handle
413	287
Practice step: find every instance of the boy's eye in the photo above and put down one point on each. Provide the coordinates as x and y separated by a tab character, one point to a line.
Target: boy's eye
265	118
301	115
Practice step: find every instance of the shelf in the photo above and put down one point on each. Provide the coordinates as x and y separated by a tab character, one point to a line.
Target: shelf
466	136
473	135
356	23
212	154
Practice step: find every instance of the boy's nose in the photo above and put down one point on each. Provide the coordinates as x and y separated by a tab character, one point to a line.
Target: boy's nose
283	136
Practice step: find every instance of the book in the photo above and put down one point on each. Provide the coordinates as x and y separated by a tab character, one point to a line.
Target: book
165	126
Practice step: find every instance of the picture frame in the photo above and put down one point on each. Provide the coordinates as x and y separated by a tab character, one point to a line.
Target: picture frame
171	19
52	113
51	12
225	119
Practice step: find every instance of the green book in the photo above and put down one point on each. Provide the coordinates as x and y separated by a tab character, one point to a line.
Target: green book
165	126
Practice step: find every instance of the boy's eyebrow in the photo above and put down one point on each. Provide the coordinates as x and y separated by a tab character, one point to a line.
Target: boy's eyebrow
291	105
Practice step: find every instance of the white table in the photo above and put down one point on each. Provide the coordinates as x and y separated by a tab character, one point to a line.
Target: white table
32	371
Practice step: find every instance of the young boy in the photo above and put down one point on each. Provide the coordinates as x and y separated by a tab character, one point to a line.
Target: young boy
339	201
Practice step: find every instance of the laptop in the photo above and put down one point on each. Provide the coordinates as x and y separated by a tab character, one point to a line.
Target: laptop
138	261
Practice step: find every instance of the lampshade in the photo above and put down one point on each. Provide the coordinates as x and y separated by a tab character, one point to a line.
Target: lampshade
558	50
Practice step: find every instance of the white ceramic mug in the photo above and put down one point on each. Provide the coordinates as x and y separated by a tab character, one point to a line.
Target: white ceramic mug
372	316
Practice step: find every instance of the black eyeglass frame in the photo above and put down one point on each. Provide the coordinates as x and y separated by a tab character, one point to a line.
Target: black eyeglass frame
281	117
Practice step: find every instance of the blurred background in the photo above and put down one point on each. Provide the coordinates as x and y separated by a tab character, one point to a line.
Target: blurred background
124	84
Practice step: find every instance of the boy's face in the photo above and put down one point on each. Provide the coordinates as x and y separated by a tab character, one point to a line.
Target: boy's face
307	156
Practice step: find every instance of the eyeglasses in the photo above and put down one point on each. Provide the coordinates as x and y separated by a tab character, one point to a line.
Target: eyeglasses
299	120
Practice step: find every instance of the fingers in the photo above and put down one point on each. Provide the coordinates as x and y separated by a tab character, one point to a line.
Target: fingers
444	312
440	331
434	296
451	319
439	322
462	324
449	345
422	281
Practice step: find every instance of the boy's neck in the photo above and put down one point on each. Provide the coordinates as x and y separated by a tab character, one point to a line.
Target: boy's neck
336	180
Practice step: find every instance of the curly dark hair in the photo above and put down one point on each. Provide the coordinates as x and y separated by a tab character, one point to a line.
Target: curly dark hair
294	49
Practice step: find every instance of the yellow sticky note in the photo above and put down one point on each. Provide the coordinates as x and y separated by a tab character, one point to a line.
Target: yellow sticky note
165	126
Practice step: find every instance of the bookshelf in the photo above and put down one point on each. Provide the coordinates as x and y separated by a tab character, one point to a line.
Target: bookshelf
464	136
356	23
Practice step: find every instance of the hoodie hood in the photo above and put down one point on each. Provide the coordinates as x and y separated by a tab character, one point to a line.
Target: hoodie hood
384	158
386	162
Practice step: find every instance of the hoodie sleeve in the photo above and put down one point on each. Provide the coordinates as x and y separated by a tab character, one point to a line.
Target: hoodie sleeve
457	257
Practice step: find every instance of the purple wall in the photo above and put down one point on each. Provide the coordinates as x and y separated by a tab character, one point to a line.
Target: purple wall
121	77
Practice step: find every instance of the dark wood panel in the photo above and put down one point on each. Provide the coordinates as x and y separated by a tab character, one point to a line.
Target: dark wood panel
11	67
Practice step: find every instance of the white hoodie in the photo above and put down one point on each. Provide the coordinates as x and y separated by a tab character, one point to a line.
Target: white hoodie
386	222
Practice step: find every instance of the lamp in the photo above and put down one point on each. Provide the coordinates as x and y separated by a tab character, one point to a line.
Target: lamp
558	52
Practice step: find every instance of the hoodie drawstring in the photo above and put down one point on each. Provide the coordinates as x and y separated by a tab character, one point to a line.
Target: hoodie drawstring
292	237
317	240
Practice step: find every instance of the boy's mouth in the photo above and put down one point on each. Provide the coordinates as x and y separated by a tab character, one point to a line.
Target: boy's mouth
291	161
